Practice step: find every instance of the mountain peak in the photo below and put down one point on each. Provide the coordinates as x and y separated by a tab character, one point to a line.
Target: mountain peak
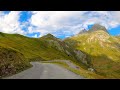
82	31
49	36
97	27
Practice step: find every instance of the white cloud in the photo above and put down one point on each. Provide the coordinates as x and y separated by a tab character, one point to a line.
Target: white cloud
58	22
53	21
9	22
54	18
116	15
69	22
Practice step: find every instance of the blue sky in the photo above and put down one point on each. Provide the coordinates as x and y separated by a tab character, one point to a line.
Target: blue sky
115	31
61	24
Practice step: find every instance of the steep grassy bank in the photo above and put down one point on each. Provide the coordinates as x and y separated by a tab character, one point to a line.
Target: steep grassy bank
11	61
26	49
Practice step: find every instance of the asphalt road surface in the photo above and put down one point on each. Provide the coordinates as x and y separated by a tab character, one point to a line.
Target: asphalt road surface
45	71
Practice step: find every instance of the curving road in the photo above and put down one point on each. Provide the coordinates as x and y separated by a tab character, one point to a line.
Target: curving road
45	71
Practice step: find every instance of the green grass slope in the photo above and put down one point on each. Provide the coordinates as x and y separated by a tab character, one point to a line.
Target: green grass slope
27	49
103	51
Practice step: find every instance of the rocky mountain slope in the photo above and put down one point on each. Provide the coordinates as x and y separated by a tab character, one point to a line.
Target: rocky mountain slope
97	27
82	31
103	50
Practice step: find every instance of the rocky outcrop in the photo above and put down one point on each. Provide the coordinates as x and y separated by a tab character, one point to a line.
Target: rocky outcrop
97	27
82	31
11	61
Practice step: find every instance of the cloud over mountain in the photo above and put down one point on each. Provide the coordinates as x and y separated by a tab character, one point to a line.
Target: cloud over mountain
59	23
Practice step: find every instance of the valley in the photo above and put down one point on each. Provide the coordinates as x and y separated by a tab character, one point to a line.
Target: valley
95	53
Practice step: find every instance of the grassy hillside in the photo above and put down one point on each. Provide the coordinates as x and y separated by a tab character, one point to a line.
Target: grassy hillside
118	37
95	51
35	49
11	61
29	47
103	51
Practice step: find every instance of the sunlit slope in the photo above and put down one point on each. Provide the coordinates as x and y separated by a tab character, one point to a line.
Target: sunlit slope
103	50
